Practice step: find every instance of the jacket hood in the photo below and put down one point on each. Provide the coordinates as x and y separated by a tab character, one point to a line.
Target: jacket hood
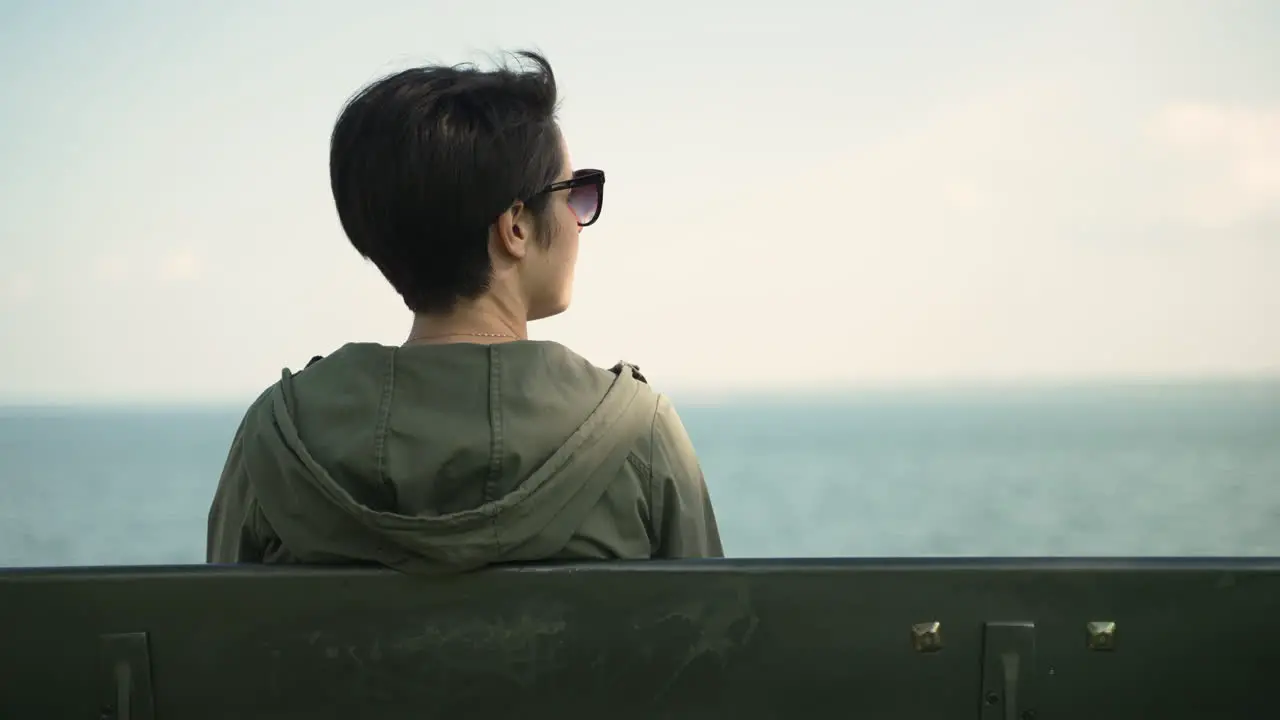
440	457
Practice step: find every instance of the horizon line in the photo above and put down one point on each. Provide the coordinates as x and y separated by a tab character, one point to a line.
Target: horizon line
690	393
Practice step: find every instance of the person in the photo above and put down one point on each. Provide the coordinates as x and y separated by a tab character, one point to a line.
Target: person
469	445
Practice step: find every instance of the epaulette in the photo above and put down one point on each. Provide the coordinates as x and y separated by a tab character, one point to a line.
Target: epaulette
635	371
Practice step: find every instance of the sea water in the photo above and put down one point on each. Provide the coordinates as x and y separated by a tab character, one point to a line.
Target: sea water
1099	470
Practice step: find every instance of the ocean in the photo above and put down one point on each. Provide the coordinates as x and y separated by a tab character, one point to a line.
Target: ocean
1138	470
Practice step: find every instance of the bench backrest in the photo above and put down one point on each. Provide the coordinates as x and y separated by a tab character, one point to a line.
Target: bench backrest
1030	639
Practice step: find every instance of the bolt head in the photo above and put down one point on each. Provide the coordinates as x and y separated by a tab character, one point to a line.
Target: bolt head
926	637
1101	636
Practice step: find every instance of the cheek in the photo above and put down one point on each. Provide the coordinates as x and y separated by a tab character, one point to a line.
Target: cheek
568	255
570	233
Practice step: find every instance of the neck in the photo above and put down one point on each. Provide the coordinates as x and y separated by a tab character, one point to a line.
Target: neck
478	321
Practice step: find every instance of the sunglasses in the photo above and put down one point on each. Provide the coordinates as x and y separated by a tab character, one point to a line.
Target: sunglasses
586	194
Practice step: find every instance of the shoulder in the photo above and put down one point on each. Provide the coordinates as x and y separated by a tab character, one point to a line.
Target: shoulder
672	447
253	412
662	442
351	369
561	367
566	367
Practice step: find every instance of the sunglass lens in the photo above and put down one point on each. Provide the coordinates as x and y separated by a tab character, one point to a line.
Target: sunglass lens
584	200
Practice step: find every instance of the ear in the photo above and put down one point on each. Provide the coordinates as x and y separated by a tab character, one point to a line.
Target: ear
514	230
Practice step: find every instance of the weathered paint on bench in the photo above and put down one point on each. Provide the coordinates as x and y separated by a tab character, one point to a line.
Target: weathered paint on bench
1031	639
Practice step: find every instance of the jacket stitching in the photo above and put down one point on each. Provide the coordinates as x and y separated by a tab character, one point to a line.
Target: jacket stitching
495	430
384	422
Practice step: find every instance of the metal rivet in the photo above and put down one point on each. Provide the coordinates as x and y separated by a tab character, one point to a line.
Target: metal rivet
1102	636
926	637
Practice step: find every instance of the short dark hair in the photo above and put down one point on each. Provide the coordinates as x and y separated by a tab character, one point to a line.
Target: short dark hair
423	162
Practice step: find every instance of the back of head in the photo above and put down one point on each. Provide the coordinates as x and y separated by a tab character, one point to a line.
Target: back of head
423	161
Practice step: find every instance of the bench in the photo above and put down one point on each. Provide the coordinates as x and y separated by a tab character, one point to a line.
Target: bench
743	639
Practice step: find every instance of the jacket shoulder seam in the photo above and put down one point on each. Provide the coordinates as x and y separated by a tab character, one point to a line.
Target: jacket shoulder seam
655	498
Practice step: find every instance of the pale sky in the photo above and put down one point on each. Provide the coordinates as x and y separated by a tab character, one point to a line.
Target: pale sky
801	194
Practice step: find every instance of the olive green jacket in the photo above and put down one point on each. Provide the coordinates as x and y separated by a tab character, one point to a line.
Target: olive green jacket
452	457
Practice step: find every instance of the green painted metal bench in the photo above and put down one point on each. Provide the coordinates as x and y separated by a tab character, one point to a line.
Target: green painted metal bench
782	639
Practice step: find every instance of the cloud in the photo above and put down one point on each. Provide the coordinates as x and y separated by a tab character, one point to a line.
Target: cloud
176	267
1012	160
1231	161
16	289
112	269
180	266
1057	161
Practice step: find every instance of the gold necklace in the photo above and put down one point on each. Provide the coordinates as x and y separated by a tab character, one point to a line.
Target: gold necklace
413	338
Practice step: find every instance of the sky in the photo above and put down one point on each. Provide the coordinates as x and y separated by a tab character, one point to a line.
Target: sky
802	196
